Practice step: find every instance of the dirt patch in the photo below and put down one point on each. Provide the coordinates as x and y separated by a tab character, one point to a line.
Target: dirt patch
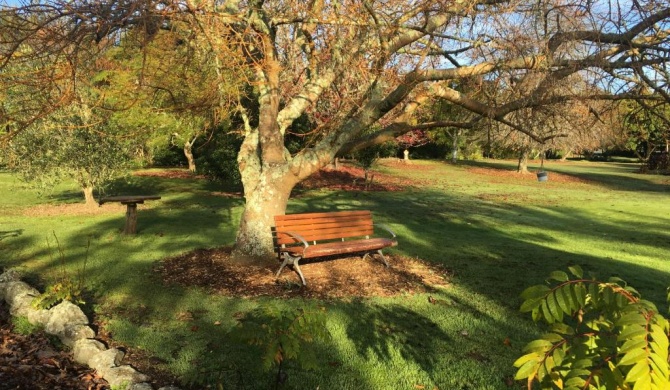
173	173
214	270
351	178
50	210
400	163
514	175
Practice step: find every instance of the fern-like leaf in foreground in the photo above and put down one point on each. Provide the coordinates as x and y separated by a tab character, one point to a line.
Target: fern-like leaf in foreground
602	335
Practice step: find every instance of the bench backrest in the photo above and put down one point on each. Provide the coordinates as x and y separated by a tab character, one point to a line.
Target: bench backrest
322	226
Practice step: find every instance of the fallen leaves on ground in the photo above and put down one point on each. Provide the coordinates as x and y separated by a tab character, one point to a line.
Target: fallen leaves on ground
354	276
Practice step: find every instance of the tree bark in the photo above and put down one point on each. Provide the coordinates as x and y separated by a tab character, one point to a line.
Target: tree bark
523	162
268	198
188	152
88	196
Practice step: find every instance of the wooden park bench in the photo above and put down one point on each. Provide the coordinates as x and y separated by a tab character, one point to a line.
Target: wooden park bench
311	235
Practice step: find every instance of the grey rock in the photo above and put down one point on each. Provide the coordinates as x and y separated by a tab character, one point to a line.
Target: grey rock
124	375
10	275
105	360
64	314
34	316
141	386
23	307
170	387
18	290
84	350
7	277
73	333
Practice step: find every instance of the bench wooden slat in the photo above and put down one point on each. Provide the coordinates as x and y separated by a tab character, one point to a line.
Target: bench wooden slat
321	235
325	227
331	214
323	224
313	233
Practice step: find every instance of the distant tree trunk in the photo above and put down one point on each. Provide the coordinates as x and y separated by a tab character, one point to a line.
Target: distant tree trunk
88	196
454	146
566	156
188	152
523	161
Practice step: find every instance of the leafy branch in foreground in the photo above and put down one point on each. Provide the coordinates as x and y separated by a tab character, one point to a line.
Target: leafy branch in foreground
285	335
602	336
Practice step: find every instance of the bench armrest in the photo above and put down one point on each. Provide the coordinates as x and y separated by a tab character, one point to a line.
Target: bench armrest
297	237
387	229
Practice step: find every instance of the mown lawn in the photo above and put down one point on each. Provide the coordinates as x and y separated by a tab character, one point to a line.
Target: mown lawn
496	231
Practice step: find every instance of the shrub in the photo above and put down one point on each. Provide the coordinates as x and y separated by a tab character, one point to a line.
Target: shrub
218	158
659	161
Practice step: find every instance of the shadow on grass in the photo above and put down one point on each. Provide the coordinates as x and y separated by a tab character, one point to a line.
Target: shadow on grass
10	233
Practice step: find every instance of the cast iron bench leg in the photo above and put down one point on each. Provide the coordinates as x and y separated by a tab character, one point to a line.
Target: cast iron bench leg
380	254
297	268
290	260
383	258
286	261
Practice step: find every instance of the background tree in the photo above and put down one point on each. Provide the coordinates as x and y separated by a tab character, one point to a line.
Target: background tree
72	143
647	127
352	65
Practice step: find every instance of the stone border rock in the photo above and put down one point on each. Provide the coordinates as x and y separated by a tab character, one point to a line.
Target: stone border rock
69	323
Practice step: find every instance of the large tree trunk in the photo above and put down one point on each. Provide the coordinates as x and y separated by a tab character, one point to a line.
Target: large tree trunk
88	196
523	161
267	177
267	199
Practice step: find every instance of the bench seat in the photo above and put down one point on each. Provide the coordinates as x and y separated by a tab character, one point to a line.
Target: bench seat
312	235
340	247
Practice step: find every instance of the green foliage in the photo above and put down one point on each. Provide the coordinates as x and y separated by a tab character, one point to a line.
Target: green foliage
217	159
646	127
367	157
65	289
602	335
285	335
23	326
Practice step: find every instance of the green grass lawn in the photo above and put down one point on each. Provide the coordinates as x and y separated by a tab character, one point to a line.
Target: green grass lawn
497	232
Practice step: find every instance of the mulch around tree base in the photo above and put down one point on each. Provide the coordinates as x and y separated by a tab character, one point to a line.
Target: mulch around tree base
32	362
329	278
